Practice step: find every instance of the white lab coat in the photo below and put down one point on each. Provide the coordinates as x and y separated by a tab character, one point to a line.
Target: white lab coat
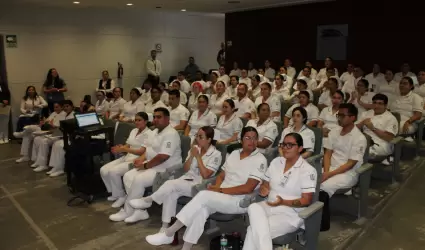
244	106
102	107
216	102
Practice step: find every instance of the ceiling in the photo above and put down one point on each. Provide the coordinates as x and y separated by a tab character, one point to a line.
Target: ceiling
214	6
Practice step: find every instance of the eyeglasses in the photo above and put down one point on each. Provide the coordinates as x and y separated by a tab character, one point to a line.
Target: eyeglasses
287	145
249	138
342	116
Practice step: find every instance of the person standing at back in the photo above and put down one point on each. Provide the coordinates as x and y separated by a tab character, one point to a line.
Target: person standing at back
191	69
153	68
106	83
53	88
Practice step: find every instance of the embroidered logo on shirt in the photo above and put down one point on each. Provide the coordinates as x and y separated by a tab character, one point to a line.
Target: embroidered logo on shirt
216	160
312	177
262	167
361	150
168	145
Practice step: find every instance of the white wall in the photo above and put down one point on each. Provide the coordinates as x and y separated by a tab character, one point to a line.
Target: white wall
80	43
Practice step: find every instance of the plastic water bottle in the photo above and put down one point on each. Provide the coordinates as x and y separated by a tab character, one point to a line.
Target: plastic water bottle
223	242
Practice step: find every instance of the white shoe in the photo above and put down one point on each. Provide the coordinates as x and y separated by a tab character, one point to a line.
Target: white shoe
119	202
120	216
159	239
34	165
5	141
140	204
57	173
408	139
112	198
137	215
18	134
2	141
40	168
22	159
49	172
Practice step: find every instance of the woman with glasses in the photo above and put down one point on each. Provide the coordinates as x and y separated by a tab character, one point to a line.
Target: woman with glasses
217	99
289	184
240	175
200	118
102	105
229	125
116	105
203	161
299	118
113	171
271	100
312	111
362	98
266	128
132	107
328	117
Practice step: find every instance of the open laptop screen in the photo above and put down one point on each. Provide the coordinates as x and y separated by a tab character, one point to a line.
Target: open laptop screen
84	120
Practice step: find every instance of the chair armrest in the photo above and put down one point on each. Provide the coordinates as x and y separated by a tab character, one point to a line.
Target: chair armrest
251	198
202	186
396	140
314	158
170	173
310	210
364	168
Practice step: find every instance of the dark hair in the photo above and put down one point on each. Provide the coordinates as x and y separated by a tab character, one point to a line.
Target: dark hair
147	81
302	81
303	113
164	111
209	132
117	88
135	90
87	100
162	83
198	71
281	76
391	70
156	88
224	84
26	92
205	98
182	73
261	105
329	58
177	83
365	82
409	79
307	67
257	78
58	103
215	73
231	103
298	138
143	115
246	130
175	93
267	84
339	92
380	97
109	95
244	84
237	78
352	110
304	92
49	77
101	91
334	80
286	68
67	102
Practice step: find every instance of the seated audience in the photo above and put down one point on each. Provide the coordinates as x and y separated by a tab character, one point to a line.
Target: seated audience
330	74
389	87
279	214
116	105
269	72
287	81
350	86
191	69
245	107
380	125
323	71
313	72
223	76
235	71
240	175
5	113
146	91
102	105
301	85
375	78
266	128
251	70
405	71
31	106
178	113
132	107
229	125
199	77
325	99
328	116
136	145
86	105
420	88
232	89
201	117
304	102
290	71
197	89
347	75
53	88
255	90
261	72
109	96
343	155
183	97
184	84
299	118
164	93
279	90
163	152
245	78
362	98
306	75
155	102
202	162
217	99
271	100
106	83
210	85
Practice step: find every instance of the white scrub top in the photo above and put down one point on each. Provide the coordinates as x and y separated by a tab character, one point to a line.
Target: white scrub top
150	107
252	72
192	105
178	114
228	128
346	76
366	98
350	85
312	113
216	102
212	161
406	105
351	146
267	130
322	74
224	78
56	118
328	118
165	142
196	122
269	73
247	81
244	106
232	92
325	98
183	98
390	89
102	108
237	171
294	96
282	93
131	109
301	178
235	72
398	76
146	96
307	134
116	106
164	97
375	81
136	140
185	86
273	102
420	90
256	92
385	122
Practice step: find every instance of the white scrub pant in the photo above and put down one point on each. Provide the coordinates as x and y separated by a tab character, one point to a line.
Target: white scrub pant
4	126
196	212
27	140
112	173
135	183
266	223
412	128
377	150
339	181
40	149
169	193
57	157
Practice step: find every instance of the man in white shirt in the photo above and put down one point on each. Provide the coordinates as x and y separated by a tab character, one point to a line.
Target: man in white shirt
251	71
405	71
245	79
375	78
328	65
184	84
154	103
269	73
199	78
350	86
223	77
235	71
183	97
244	105
420	88
153	67
290	71
179	115
305	75
348	74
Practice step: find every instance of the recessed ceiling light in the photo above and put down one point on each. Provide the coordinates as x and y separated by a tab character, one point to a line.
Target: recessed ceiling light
129	4
183	10
76	2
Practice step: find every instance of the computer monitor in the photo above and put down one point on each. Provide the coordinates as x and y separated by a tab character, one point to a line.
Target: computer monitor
89	119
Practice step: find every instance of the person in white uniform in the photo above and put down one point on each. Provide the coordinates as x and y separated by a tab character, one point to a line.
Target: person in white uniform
229	125
409	105
223	76
164	93
117	104
271	100
304	102
243	104
197	89
281	91
380	125
102	105
209	88
183	97
376	78
328	65
236	71
255	90
217	99
300	85
136	145
347	75
200	118
350	86
269	72
328	116
163	152
245	78
344	153
179	115
290	71
362	98
154	103
240	175
106	83
307	76
325	99
389	87
146	91
57	155
31	105
266	128
184	84
231	90
313	72
132	107
251	70
31	131
420	88
405	71
289	184
202	162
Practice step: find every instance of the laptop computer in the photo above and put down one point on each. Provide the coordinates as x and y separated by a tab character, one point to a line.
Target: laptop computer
88	121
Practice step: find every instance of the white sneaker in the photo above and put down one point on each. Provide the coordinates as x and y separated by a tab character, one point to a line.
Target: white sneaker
5	141
159	239
120	216
22	159
34	165
18	134
140	203
50	172
408	139
2	141
119	202
137	215
57	173
112	198
40	168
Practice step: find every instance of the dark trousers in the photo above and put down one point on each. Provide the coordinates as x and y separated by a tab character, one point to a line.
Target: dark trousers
154	80
25	121
326	214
